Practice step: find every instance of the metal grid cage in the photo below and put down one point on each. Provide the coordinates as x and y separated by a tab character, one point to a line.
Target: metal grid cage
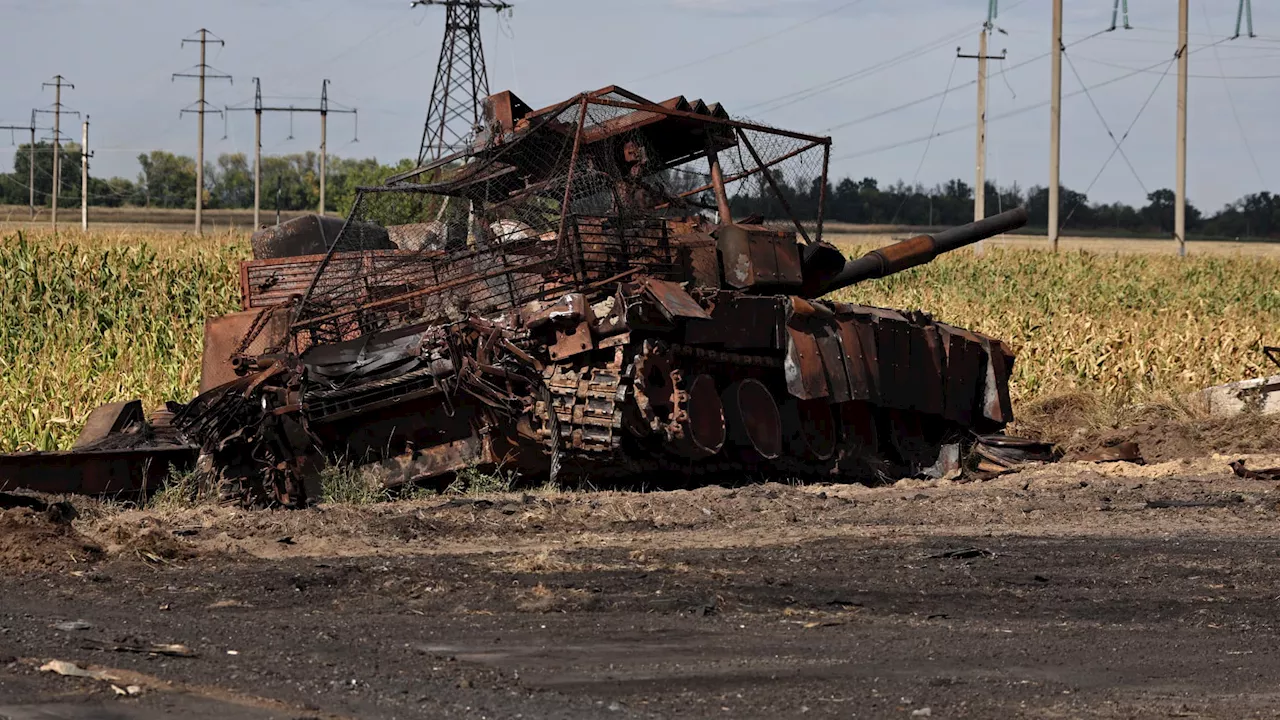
569	196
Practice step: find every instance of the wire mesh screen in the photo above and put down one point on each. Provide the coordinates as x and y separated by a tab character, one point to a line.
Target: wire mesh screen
574	195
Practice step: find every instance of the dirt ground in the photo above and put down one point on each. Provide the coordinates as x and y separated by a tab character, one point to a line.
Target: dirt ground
1071	590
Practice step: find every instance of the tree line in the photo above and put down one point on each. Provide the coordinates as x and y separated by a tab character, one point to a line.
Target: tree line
166	180
291	182
1256	215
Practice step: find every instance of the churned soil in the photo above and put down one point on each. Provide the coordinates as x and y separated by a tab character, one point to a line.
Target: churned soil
1068	590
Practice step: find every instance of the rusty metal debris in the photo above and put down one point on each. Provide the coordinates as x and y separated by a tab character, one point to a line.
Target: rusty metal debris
571	297
1266	474
119	452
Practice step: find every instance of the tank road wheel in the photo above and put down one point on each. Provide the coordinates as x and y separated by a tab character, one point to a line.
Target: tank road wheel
653	387
697	428
755	425
810	428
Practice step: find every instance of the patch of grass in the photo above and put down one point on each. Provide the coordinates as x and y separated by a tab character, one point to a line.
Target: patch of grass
182	489
478	481
413	492
343	483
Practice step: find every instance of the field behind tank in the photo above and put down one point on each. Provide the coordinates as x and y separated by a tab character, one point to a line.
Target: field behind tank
1106	333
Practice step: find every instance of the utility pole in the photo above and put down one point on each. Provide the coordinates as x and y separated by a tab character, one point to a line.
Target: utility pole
200	109
257	149
31	167
84	174
323	109
461	82
1180	203
980	182
31	160
57	84
1055	123
324	115
257	152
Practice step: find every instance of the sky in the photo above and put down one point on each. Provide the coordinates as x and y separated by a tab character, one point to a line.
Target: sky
873	74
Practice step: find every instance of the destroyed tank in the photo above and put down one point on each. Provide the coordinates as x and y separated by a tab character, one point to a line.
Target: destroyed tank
605	288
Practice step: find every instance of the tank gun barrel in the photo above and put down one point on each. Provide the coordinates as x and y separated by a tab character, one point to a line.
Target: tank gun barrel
922	249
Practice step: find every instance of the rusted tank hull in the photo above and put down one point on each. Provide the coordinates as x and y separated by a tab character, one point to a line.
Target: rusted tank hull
647	378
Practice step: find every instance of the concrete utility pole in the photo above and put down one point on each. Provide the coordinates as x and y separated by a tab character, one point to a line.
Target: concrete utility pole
1055	123
31	160
324	114
84	174
57	84
324	110
31	167
980	182
1180	203
200	109
257	149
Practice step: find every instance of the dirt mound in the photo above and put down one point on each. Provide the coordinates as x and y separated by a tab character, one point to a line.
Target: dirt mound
31	539
1164	440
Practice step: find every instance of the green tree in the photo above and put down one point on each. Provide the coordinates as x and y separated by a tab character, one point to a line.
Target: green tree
68	163
167	180
230	184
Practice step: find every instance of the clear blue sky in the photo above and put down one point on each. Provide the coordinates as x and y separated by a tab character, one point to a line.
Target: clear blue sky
380	56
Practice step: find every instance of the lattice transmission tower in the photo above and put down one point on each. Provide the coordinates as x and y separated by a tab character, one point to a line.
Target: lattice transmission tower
461	79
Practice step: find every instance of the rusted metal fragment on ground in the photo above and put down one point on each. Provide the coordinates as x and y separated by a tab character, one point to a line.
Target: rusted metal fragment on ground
1267	474
93	472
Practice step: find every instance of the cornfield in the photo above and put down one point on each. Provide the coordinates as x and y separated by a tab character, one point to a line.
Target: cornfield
88	319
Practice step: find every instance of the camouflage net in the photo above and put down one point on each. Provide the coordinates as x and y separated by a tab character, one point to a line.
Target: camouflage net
578	194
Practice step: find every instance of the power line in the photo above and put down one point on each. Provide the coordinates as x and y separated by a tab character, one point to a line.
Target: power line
1221	76
803	94
738	47
938	115
58	83
1103	120
1152	94
1002	116
931	96
797	96
1244	137
323	109
1008	114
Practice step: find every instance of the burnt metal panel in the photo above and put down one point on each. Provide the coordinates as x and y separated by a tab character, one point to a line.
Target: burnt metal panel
996	405
697	255
107	419
893	348
673	301
833	360
741	322
855	360
806	378
964	373
224	336
926	369
756	256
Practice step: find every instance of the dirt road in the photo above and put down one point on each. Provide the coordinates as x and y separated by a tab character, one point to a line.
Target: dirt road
1067	591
